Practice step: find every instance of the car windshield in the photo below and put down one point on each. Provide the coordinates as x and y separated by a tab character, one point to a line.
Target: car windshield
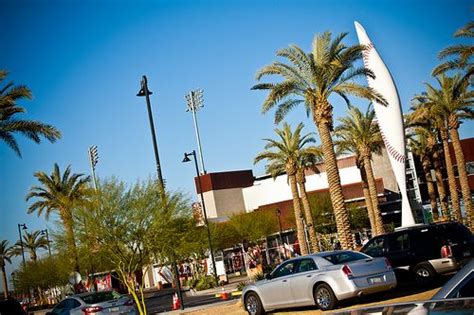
344	257
99	297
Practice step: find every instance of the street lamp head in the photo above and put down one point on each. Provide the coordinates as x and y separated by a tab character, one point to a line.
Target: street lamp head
186	158
144	88
23	226
43	232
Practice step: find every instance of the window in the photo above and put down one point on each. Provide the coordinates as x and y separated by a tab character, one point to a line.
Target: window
99	297
284	270
466	287
307	265
344	257
374	247
398	242
470	168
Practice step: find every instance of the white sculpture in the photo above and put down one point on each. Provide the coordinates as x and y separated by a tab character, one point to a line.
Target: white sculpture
390	118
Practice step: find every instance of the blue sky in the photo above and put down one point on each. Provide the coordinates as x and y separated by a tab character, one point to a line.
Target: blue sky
83	61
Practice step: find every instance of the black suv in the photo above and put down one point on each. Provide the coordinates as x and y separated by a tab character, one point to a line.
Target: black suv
425	250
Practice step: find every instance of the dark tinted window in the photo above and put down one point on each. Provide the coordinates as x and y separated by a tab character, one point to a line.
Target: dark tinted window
344	257
374	247
286	269
455	232
398	241
99	297
307	265
466	287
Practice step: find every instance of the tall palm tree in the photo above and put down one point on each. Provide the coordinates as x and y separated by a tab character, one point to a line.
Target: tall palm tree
283	155
418	142
424	137
307	159
462	54
60	194
359	133
5	255
310	79
455	102
423	111
31	242
10	94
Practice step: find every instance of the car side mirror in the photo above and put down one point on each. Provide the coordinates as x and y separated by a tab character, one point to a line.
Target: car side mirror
268	276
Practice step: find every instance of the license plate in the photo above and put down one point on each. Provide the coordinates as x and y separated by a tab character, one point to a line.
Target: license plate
114	309
375	280
466	253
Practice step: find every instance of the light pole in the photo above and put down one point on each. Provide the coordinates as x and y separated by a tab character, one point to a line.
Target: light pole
186	159
278	214
20	227
195	100
144	91
93	159
43	232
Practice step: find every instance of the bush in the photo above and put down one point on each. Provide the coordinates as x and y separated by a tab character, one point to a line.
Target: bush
205	283
241	285
258	276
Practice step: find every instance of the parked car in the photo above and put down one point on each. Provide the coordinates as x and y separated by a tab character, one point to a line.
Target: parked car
107	302
459	286
320	279
11	306
425	250
455	297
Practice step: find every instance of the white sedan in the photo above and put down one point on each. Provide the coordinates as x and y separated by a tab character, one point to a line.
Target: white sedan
320	279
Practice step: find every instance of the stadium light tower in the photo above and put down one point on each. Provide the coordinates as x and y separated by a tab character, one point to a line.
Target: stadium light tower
93	159
195	100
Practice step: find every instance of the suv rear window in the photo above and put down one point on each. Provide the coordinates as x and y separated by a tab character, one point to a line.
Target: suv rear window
456	233
99	297
344	257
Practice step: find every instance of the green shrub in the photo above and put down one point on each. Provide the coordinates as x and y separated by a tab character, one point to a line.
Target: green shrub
205	283
241	285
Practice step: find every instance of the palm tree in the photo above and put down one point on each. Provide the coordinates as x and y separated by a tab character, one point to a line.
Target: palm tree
424	138
418	142
455	103
32	242
283	155
462	54
423	111
310	79
5	255
308	158
9	124
359	133
60	194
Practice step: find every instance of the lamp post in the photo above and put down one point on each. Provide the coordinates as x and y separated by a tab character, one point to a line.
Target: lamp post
186	159
43	232
278	214
22	227
195	100
144	91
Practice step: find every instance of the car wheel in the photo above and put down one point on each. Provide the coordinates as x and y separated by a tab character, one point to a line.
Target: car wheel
324	297
424	273
253	305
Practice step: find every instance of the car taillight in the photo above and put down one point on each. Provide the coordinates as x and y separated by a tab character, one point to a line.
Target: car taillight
388	264
128	303
347	271
91	309
446	251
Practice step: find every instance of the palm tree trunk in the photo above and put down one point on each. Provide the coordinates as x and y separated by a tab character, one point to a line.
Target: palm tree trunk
453	191
335	189
33	255
298	215
71	241
373	195
443	197
307	212
430	185
368	200
5	283
461	164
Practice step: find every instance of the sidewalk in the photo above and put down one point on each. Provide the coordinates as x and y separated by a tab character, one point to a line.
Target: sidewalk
231	286
202	307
